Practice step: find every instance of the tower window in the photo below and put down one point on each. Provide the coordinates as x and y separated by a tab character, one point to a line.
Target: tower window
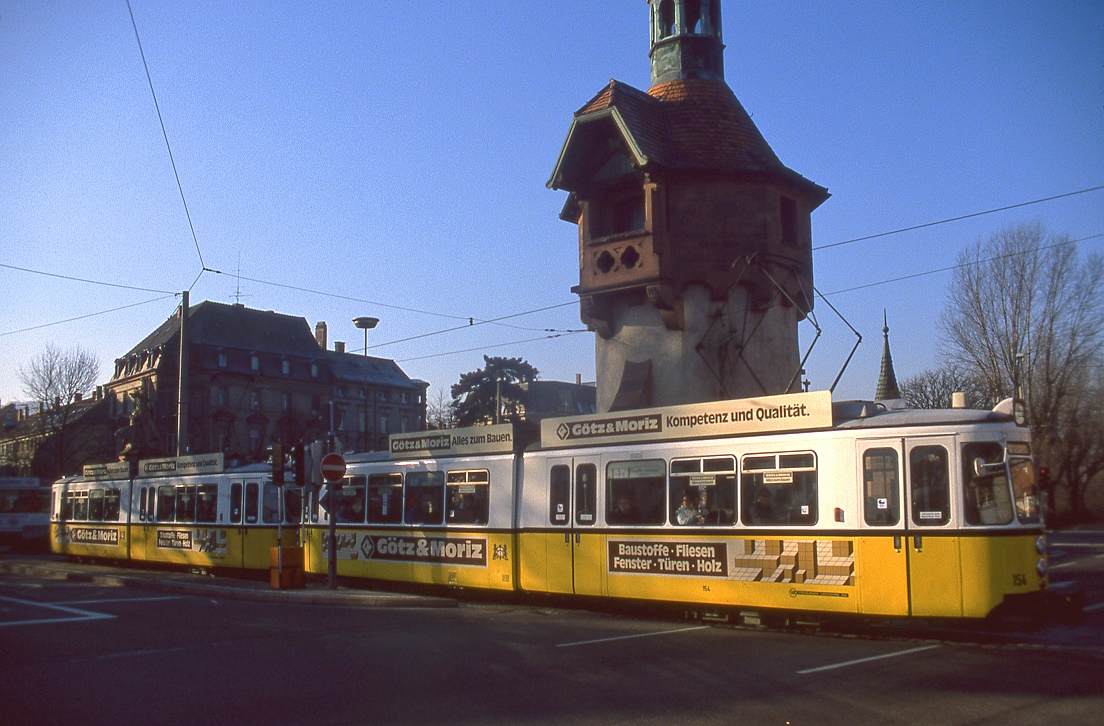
666	18
693	17
617	214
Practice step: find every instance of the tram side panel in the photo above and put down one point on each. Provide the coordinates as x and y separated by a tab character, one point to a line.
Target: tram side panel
663	522
88	519
445	521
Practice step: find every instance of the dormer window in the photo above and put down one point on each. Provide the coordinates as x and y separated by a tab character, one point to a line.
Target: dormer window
617	213
254	363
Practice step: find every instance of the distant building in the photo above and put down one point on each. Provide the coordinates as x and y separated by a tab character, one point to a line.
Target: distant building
55	441
255	378
545	399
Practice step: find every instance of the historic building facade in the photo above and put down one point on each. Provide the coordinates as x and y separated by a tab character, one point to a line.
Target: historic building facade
256	378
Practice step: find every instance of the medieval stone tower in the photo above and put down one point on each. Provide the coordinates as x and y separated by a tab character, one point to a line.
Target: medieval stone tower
695	262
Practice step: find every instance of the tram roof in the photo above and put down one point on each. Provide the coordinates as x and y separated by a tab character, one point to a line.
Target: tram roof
871	414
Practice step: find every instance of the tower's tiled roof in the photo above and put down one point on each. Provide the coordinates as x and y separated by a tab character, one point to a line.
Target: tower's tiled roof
694	124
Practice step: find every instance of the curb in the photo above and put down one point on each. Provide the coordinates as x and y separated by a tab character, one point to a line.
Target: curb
227	590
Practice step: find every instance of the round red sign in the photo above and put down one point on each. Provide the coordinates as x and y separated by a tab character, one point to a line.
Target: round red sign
333	467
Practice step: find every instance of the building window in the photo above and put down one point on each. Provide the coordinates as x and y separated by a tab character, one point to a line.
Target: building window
254	363
285	367
384	424
382	395
222	360
254	400
314	370
405	397
788	210
617	214
286	402
404	424
341	391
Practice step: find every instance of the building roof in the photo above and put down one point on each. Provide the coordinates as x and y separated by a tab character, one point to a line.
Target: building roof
887	378
218	324
352	368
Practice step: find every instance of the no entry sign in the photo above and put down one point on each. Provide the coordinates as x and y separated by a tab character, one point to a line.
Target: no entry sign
333	467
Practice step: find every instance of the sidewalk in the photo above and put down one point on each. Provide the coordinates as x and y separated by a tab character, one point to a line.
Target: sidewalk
316	591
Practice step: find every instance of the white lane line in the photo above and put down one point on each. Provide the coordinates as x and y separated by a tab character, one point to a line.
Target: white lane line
847	663
122	599
627	637
78	614
1090	608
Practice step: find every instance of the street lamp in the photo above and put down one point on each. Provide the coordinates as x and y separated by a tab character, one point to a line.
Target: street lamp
366	324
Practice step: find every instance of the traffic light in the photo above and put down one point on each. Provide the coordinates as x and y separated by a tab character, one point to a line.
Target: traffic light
276	452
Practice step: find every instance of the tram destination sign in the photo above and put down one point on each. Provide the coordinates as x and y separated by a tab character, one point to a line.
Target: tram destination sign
737	417
182	465
496	439
104	472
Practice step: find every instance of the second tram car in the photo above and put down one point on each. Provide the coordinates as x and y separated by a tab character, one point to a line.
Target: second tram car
24	512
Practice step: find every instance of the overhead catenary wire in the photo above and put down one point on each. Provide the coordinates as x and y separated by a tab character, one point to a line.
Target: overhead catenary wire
958	218
168	146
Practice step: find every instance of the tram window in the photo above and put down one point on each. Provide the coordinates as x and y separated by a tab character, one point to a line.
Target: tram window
1025	489
468	497
779	489
166	504
270	504
206	503
111	505
385	498
425	496
293	505
881	487
252	497
349	501
67	506
96	505
236	503
186	503
988	496
151	504
586	493
930	484
636	492
703	491
80	506
559	494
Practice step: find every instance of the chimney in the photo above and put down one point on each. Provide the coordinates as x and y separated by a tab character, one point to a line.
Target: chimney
958	399
339	346
320	335
578	379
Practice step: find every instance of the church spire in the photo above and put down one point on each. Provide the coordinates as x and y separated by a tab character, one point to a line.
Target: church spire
887	379
686	40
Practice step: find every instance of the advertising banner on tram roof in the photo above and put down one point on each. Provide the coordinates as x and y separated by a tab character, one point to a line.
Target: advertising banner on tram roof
789	412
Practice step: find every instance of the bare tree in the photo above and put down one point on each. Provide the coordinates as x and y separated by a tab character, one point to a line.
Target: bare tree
933	389
440	412
1024	295
57	380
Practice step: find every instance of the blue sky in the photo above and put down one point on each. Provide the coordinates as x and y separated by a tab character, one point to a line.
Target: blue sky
394	157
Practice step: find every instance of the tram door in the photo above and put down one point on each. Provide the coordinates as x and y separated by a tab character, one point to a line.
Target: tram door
245	497
935	571
880	548
574	558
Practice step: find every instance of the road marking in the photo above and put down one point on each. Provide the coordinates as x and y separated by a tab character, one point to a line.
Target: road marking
1082	545
627	637
122	599
1090	608
866	660
79	615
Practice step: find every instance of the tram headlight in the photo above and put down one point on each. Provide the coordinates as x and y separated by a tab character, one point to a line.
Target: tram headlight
1040	544
1041	567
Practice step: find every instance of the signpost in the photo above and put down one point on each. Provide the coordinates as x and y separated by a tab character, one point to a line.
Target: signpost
333	467
333	470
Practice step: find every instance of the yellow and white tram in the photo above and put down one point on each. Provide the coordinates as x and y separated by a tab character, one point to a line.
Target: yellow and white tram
188	511
783	503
